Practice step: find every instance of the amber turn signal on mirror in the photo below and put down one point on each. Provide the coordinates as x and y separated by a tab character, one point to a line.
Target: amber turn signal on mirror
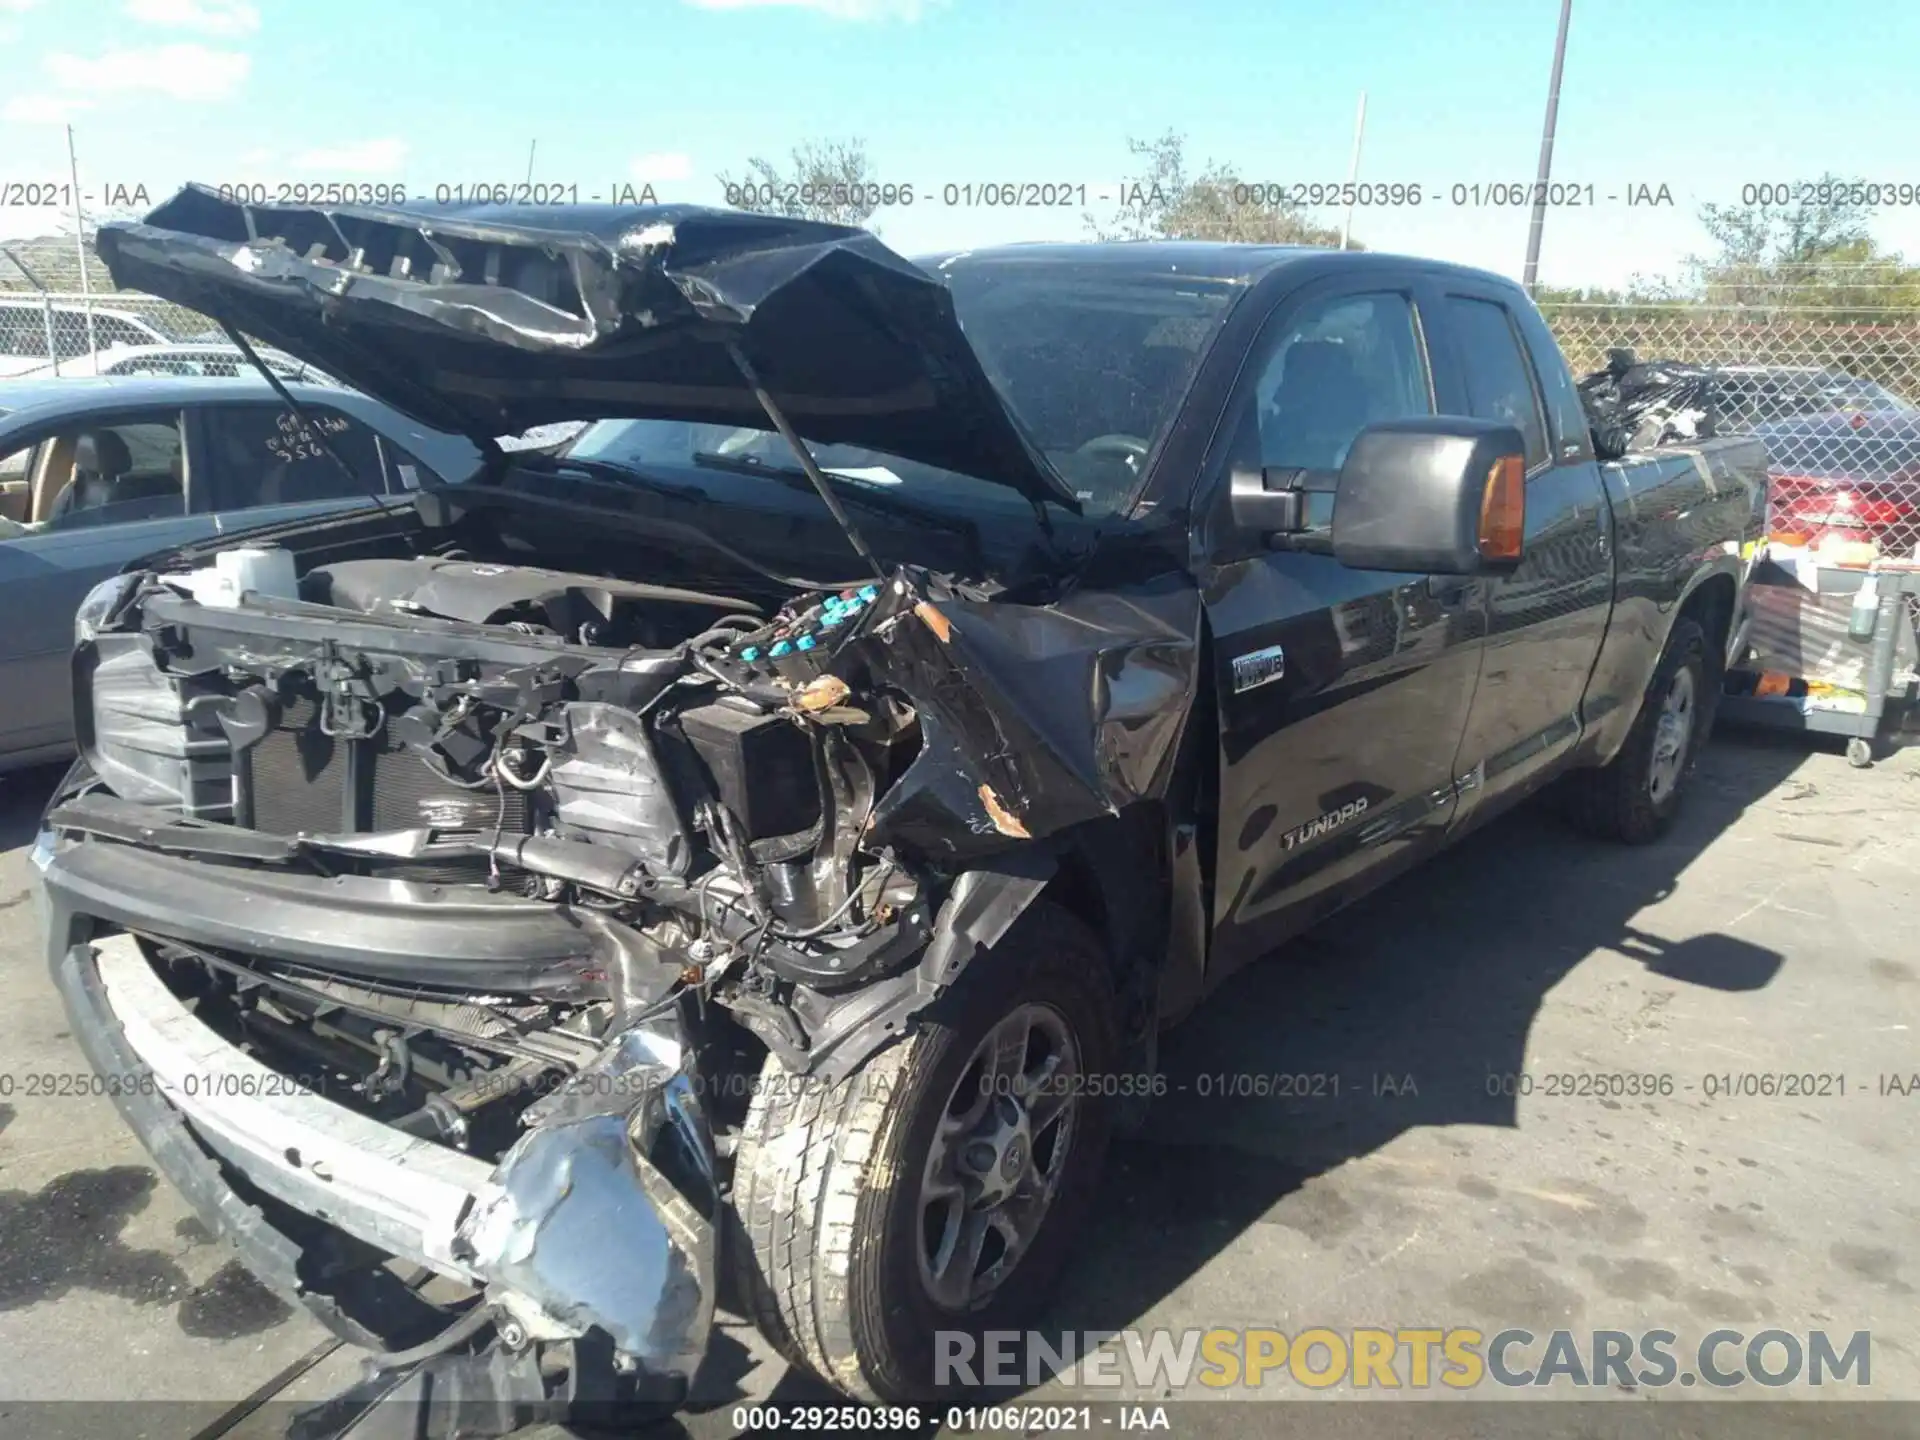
1503	509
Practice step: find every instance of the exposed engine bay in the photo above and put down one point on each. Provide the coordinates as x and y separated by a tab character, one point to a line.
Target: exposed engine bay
584	609
680	763
761	805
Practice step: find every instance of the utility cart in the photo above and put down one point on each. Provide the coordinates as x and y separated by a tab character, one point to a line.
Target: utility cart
1812	657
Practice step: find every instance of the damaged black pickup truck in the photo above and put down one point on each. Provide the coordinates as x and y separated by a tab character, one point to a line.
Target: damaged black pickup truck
750	847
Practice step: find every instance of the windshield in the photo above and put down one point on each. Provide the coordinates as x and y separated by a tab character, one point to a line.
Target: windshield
1093	366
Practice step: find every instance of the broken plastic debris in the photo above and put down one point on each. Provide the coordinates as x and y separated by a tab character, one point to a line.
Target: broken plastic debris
1004	820
823	693
935	621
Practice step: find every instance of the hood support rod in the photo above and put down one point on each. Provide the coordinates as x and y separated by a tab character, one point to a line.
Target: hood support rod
802	454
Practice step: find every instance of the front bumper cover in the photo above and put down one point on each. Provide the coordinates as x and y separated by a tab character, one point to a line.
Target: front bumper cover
390	930
597	1226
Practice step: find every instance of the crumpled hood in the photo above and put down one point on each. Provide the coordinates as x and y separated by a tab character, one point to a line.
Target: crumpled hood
489	320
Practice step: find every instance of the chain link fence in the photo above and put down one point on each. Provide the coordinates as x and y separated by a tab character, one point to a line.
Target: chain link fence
53	332
48	334
1834	395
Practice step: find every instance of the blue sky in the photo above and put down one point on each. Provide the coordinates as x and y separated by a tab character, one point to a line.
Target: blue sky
1701	97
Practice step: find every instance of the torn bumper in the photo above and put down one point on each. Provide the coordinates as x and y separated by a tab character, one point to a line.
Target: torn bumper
381	929
596	1226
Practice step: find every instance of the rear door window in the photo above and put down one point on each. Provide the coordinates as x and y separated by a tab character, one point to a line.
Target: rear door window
263	455
1499	379
1572	440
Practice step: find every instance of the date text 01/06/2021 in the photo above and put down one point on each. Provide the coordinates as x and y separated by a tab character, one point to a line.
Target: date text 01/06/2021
1013	1419
1011	194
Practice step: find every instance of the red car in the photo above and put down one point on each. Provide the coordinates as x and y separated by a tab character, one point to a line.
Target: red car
1856	473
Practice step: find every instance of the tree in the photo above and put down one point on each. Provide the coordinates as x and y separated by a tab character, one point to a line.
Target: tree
1811	251
1639	299
1827	215
1162	202
829	180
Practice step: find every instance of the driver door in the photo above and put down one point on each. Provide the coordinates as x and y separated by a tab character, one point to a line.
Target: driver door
1342	693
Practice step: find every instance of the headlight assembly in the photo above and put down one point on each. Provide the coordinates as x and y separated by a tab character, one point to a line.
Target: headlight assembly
100	606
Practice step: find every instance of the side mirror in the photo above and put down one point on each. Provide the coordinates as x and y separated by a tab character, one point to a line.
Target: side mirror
1440	495
1265	502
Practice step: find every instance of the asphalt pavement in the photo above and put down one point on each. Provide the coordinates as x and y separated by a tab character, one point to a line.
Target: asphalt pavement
1447	1179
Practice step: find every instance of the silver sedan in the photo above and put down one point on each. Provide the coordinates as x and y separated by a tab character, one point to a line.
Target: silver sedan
95	474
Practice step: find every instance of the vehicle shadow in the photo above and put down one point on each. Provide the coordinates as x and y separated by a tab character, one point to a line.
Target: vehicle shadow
1436	979
23	799
1419	1001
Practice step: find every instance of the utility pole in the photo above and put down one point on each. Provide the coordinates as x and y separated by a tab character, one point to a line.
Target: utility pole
532	145
1353	169
80	248
1532	270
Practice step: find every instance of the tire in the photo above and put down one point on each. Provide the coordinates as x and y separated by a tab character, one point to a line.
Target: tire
828	1236
1625	800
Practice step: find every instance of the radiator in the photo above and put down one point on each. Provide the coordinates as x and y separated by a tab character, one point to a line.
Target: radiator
298	779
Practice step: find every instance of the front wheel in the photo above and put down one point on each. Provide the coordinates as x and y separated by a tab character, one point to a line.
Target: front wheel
933	1193
1637	794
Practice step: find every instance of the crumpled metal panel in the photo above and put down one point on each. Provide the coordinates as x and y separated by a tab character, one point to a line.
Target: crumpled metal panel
490	320
609	787
1033	717
602	1215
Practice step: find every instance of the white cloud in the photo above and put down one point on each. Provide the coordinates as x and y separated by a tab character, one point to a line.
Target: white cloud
209	17
361	157
183	72
836	9
43	109
661	165
17	7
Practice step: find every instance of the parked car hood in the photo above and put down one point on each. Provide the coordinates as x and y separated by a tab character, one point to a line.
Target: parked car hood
490	320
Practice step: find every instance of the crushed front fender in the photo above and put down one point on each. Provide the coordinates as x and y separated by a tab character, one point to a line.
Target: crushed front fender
602	1214
1034	717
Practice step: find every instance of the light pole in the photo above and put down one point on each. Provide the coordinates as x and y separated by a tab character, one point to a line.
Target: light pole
1532	271
1353	169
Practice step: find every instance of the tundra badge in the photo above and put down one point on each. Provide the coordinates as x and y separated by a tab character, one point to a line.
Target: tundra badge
1257	668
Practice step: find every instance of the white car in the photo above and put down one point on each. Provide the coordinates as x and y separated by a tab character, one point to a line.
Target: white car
183	359
35	333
